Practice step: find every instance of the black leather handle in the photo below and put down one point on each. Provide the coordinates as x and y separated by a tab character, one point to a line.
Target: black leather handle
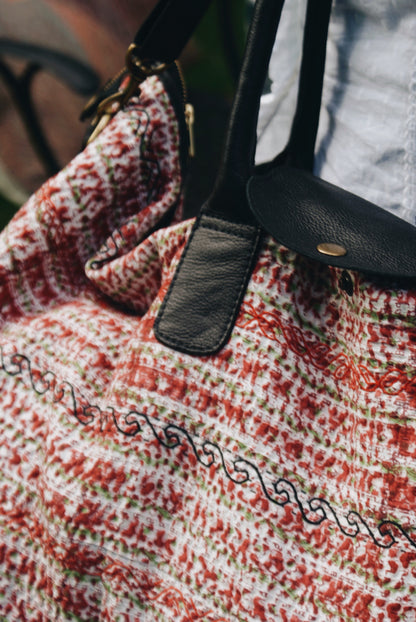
202	303
229	196
299	151
165	33
316	218
168	28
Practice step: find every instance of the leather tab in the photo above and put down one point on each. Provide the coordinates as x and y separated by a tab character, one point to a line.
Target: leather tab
305	213
201	305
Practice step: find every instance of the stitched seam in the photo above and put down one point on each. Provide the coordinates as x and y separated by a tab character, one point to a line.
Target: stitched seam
179	342
156	327
247	235
87	414
242	287
215	216
232	314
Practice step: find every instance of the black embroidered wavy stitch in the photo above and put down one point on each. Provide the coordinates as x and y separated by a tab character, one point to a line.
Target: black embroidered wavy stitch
314	511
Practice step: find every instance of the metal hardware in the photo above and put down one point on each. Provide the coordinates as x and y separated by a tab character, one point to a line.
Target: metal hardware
331	249
138	71
190	120
101	124
140	68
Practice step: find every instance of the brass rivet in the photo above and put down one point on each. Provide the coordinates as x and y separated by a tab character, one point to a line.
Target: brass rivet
333	250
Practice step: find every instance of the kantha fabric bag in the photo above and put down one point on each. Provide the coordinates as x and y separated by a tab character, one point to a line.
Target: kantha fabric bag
216	423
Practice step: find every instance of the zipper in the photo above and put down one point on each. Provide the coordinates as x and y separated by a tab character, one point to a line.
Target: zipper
175	86
110	87
189	110
114	96
190	122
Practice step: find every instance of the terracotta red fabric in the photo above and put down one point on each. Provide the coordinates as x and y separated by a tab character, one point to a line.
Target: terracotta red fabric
273	481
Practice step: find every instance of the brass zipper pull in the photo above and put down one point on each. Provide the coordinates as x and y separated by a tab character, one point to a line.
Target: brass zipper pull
104	120
189	111
138	71
190	121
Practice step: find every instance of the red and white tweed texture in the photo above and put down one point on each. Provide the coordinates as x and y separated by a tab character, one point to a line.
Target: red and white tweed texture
275	481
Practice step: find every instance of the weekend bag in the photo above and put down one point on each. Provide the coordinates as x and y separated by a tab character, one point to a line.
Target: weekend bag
213	420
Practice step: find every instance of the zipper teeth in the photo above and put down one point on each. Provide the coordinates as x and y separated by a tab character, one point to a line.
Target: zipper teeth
182	81
115	79
94	101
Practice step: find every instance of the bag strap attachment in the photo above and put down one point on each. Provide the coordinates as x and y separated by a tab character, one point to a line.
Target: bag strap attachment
202	303
157	44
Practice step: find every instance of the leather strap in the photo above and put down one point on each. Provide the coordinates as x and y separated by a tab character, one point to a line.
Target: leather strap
200	307
168	28
229	197
202	303
300	149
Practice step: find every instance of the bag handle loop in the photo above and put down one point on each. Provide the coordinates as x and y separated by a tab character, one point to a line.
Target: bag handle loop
204	298
168	28
239	153
300	148
229	195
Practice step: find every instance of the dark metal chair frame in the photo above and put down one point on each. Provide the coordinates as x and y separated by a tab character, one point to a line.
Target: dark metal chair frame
78	76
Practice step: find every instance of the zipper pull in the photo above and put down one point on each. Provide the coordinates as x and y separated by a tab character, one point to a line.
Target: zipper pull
103	121
190	120
108	108
137	71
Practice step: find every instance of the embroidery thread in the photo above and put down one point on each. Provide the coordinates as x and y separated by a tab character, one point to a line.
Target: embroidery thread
314	511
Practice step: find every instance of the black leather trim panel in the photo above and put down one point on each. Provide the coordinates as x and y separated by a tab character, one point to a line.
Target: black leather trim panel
203	300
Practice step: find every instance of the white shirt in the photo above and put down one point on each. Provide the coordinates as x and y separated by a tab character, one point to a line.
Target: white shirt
367	134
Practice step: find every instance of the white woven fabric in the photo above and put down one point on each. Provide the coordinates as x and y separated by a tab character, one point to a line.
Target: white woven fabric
367	135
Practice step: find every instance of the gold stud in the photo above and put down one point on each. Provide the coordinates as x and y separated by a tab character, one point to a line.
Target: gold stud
331	249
